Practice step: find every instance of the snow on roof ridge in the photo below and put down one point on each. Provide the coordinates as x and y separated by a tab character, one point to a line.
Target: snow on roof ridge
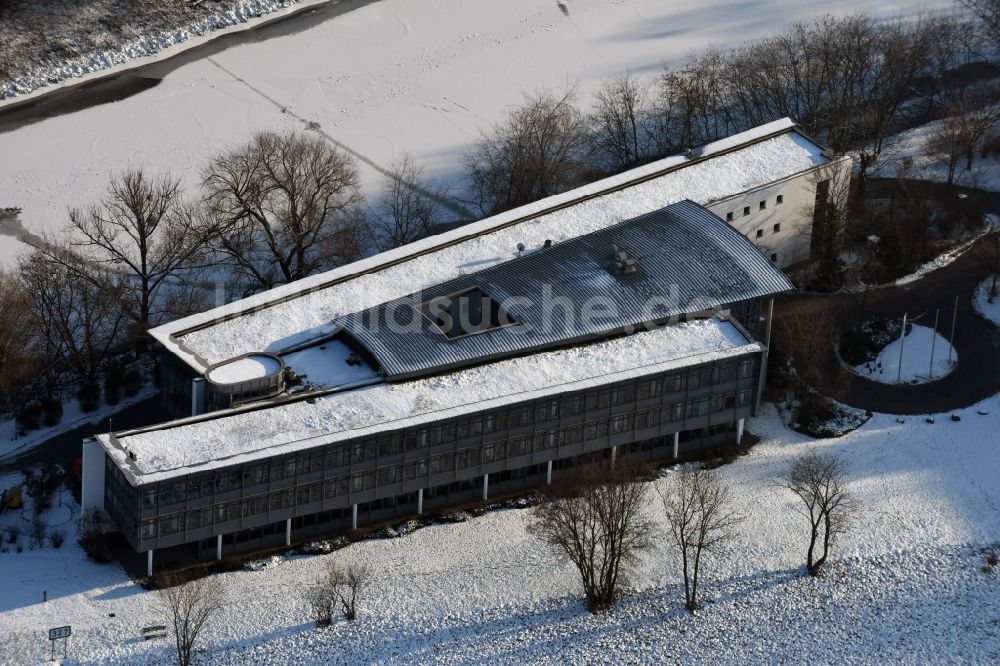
164	333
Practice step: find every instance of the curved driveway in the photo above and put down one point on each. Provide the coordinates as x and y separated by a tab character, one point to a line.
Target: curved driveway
977	340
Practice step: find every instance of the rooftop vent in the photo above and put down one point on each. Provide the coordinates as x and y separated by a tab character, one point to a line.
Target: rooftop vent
465	313
624	264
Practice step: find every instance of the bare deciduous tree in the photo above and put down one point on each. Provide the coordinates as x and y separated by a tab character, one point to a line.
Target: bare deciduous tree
145	233
988	13
407	208
282	206
619	135
81	321
699	511
594	517
17	333
971	115
819	481
537	150
337	585
187	605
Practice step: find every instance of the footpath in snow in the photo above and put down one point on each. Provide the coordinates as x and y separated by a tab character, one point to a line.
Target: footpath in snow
907	580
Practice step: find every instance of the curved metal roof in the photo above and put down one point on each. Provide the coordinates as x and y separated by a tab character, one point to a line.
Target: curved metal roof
686	260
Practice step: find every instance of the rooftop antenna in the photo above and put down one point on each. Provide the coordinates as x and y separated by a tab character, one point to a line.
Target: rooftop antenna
520	249
547	243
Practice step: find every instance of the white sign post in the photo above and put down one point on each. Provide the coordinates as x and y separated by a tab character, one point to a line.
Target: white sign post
55	634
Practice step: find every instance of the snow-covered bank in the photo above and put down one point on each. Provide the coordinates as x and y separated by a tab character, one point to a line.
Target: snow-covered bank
147	48
906	581
923	355
383	78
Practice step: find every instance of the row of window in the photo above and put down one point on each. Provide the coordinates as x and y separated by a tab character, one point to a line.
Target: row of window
394	443
444	462
761	205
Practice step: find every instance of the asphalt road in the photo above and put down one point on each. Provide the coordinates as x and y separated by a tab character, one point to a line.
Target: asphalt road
65	449
977	341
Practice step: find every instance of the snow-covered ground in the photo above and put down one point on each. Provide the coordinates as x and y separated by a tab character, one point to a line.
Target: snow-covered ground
906	584
909	154
926	356
384	78
981	302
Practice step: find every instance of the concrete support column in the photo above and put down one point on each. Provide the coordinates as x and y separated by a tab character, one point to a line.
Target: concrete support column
614	454
288	532
420	501
218	547
486	486
677	444
149	562
354	516
548	473
739	430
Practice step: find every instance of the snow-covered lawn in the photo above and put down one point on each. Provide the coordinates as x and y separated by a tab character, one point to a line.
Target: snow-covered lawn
909	154
384	78
981	301
906	584
926	356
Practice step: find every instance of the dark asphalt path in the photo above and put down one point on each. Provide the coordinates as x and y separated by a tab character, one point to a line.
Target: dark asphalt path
65	449
977	340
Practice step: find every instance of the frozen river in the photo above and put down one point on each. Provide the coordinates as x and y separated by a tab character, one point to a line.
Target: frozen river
380	78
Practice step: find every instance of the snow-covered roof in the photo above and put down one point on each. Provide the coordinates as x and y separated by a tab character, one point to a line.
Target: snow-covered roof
684	259
295	312
237	436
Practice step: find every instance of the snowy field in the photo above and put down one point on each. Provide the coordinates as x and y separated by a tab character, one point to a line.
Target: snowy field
386	77
906	585
926	356
908	154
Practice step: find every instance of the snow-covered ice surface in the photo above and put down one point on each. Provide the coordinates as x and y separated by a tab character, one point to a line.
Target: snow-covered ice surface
386	77
981	301
917	365
308	315
245	434
905	585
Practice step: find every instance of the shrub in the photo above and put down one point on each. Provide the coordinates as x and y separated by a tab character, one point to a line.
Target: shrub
94	536
132	382
812	412
114	373
89	395
28	418
13	532
57	538
52	410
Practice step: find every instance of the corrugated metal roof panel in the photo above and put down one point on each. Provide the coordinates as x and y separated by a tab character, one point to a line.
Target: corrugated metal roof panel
687	260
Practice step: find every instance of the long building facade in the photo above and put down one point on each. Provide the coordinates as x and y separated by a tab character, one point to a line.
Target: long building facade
479	363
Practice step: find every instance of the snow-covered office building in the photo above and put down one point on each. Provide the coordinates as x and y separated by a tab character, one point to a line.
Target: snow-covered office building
622	318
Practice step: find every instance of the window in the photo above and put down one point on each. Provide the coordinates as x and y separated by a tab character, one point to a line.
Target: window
621	423
469	312
729	217
762	205
760	233
149	529
780	199
746	368
774	258
746	210
777	228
